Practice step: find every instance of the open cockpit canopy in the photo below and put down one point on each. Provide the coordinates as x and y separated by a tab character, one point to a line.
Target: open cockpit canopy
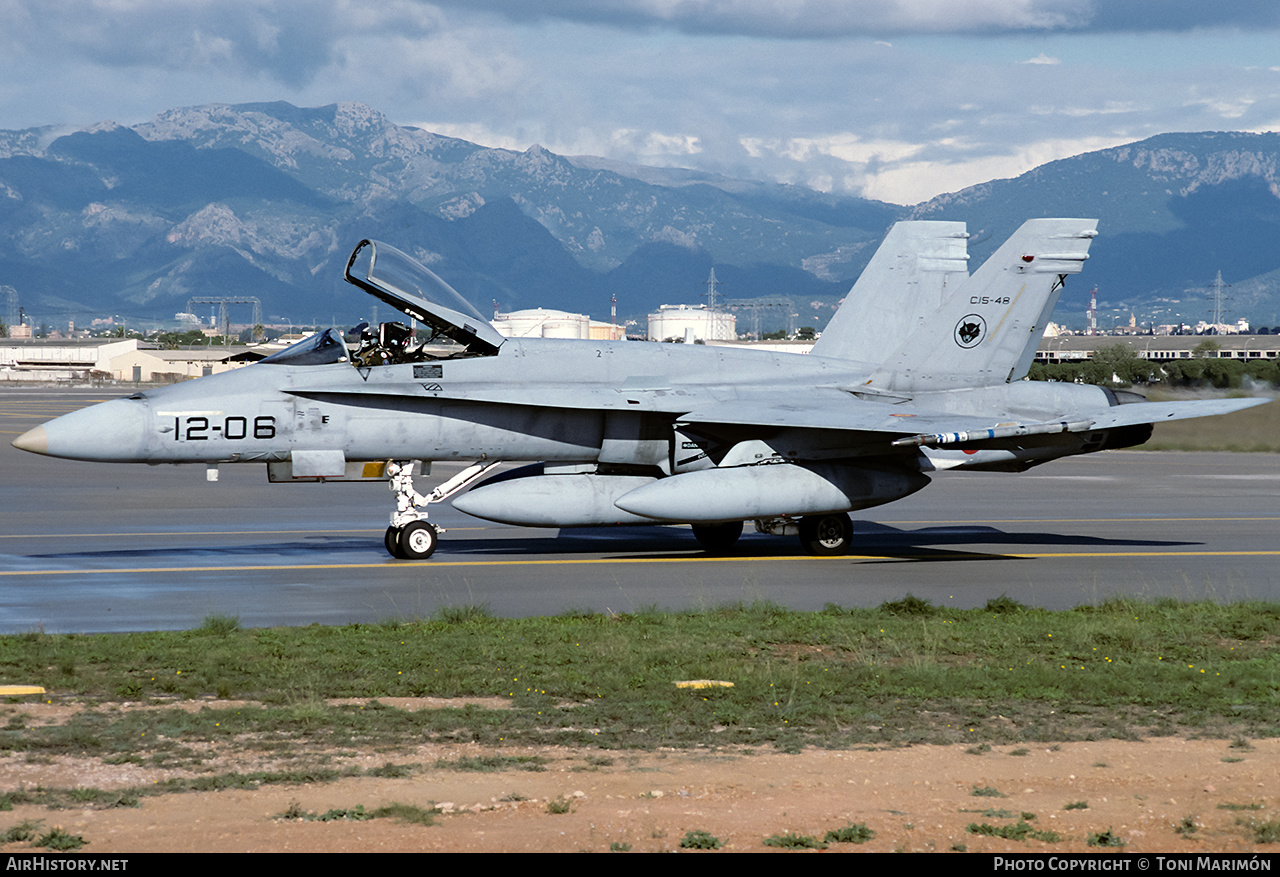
410	287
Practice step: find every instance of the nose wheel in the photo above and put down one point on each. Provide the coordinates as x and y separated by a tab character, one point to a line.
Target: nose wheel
416	540
410	537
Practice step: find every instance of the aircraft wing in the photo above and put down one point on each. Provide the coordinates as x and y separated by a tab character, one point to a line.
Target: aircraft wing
905	425
828	409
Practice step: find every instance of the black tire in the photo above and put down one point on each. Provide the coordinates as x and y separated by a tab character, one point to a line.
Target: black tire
418	540
391	541
718	538
826	535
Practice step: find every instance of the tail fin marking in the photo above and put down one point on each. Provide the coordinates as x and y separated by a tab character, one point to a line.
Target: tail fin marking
987	330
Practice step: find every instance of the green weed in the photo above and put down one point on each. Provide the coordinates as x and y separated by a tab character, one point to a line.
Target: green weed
219	625
1020	831
462	615
909	605
408	813
794	842
1267	832
1105	839
700	840
58	839
489	763
24	830
854	833
1004	605
391	771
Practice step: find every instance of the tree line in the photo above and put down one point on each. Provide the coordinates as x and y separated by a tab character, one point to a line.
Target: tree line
1116	365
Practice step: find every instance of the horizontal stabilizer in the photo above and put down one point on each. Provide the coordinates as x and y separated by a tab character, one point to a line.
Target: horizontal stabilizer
1159	412
1131	414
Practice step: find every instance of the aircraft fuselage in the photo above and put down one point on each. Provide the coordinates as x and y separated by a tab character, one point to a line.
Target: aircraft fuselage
434	411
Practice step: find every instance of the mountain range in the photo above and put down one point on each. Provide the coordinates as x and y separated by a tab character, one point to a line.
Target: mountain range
268	200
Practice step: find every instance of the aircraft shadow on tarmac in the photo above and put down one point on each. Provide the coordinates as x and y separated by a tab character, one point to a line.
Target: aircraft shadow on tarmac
871	540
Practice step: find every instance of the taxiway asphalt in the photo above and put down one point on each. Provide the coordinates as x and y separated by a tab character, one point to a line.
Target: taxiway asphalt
99	547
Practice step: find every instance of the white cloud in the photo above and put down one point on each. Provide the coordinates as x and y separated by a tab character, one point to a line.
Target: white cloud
1226	109
807	18
652	144
475	132
804	91
1108	108
845	146
914	182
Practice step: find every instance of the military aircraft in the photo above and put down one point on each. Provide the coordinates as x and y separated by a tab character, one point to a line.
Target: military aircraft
920	370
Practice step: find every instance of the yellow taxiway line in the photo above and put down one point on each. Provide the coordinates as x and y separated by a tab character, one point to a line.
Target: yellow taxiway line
368	530
398	564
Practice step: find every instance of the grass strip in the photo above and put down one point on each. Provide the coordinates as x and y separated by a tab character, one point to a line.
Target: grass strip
906	672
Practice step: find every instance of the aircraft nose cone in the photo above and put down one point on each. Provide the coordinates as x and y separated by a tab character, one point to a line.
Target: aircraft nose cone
34	440
110	431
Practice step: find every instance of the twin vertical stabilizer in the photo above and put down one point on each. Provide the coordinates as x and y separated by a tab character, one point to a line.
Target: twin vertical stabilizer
986	328
917	265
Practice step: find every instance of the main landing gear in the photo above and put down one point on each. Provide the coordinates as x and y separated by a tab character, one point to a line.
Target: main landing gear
827	535
410	537
717	538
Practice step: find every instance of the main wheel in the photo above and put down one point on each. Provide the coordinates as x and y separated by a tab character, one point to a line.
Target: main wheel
717	538
418	540
391	540
826	535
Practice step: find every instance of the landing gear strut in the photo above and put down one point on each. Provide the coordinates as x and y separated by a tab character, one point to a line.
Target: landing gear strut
410	537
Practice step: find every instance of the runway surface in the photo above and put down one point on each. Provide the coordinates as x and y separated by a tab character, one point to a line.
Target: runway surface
97	547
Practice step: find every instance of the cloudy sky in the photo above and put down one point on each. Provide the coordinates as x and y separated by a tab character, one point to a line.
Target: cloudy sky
892	99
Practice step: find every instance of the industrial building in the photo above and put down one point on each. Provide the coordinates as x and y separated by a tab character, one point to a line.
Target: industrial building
1159	348
114	359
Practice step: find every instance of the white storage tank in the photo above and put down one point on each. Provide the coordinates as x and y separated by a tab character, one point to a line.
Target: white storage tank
697	322
543	323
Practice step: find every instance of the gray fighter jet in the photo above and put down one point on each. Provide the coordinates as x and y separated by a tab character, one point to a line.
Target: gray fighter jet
921	369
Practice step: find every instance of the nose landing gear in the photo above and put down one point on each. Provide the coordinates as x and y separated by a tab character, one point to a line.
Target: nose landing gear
410	537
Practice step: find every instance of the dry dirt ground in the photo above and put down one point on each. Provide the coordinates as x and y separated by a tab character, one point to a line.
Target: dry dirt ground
915	799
